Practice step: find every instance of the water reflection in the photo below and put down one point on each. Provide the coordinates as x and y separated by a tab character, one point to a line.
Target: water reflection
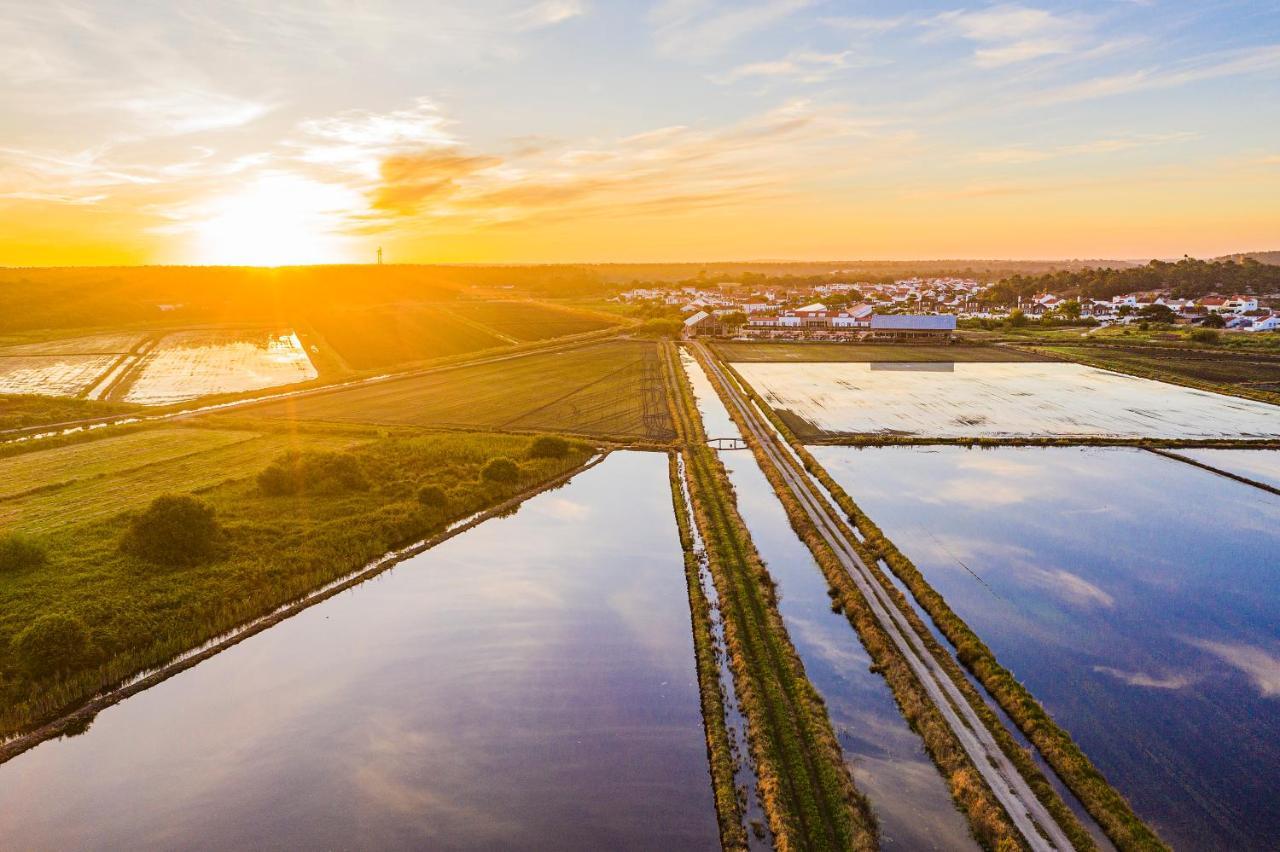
528	684
1146	627
886	757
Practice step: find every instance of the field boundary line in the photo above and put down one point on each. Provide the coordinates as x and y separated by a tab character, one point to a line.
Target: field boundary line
1219	471
78	719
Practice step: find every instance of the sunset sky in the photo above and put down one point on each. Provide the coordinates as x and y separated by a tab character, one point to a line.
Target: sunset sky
584	130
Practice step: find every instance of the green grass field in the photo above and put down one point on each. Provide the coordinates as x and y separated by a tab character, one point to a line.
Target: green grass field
276	548
122	473
610	390
862	352
528	321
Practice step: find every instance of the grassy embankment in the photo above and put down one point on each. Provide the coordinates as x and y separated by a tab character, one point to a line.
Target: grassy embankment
729	809
1103	802
610	390
22	411
804	785
75	502
988	821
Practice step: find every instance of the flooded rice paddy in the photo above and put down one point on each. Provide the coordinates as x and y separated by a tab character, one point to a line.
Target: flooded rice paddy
886	757
530	683
1259	465
1147	630
52	375
944	400
195	363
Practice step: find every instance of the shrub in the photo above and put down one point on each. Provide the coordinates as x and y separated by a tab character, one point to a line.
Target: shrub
502	470
17	552
1205	335
548	447
53	643
433	496
312	473
176	529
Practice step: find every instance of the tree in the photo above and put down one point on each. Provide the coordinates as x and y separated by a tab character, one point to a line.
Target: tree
176	529
502	470
1214	321
1017	319
734	321
432	496
548	447
53	643
1158	313
1069	310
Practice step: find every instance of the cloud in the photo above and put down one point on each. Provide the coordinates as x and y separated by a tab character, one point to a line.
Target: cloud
1106	145
1258	60
1070	587
804	66
702	28
1261	666
1009	34
411	180
1147	680
549	13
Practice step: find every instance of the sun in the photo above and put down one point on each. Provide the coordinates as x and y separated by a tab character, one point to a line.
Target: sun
279	220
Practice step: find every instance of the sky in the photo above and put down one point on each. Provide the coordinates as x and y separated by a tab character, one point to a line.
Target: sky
500	131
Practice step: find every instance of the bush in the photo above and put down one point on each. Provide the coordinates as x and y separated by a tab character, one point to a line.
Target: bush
53	643
433	496
18	552
502	470
1205	335
548	447
176	529
312	473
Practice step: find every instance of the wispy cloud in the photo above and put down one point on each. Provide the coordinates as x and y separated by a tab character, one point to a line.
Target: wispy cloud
1259	665
549	13
1106	145
1149	681
1256	60
1010	34
702	28
1070	587
804	66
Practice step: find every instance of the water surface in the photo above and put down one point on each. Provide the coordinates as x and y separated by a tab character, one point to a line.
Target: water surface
1135	596
528	684
1002	400
1259	465
886	757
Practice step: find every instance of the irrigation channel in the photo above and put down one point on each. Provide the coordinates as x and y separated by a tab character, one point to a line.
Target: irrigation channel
911	800
528	683
1038	829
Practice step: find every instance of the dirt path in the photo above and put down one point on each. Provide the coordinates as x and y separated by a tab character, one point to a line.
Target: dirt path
1030	817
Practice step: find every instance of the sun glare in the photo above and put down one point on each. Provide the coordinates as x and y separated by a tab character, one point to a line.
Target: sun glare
278	221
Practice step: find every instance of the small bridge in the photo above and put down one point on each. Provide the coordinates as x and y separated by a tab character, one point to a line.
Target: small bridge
727	443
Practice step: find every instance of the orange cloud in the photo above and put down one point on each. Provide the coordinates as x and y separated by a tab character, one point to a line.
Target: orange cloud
409	181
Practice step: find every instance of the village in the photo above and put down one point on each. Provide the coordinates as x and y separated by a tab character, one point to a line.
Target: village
930	309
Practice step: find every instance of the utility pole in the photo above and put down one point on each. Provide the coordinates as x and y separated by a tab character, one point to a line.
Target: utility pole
379	255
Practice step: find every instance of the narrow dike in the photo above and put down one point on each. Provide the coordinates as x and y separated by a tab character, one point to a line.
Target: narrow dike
1110	810
733	776
806	790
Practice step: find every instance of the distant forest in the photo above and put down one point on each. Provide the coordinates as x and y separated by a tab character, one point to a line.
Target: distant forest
1187	279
